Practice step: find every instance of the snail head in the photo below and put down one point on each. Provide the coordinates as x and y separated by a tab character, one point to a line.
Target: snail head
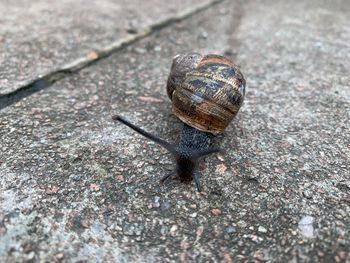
186	159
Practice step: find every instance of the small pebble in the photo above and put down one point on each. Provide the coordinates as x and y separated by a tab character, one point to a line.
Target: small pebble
60	256
193	215
220	169
31	255
120	178
156	203
173	230
305	226
140	50
227	258
204	35
307	194
262	229
94	187
231	230
76	178
92	55
215	211
241	224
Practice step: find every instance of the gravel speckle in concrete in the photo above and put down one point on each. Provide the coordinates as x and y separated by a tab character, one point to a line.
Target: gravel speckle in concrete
77	187
262	229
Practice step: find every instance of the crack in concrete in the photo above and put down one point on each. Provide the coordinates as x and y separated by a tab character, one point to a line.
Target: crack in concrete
94	56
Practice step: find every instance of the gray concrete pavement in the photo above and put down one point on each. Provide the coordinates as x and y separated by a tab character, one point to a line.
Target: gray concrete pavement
76	186
40	37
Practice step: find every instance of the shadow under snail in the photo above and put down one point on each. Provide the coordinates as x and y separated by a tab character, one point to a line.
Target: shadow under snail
207	92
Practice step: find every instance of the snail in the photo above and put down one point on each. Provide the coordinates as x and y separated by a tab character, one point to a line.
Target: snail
207	92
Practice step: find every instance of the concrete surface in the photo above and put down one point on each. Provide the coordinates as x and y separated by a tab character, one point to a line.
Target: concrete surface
40	37
76	187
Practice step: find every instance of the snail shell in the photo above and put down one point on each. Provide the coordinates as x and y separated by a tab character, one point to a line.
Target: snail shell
206	91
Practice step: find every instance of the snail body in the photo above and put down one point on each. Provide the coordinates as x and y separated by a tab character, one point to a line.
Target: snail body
207	92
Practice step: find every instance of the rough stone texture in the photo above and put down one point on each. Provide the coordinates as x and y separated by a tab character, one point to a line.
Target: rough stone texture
39	37
76	186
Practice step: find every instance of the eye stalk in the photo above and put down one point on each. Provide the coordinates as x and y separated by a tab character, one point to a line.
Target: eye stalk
186	158
171	148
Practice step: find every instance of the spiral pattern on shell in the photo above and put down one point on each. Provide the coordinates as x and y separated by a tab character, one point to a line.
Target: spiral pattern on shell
206	91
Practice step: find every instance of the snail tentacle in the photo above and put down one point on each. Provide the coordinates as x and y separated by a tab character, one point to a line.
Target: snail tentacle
171	148
165	178
196	181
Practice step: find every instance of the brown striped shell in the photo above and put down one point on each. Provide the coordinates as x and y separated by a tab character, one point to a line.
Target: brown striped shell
206	91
